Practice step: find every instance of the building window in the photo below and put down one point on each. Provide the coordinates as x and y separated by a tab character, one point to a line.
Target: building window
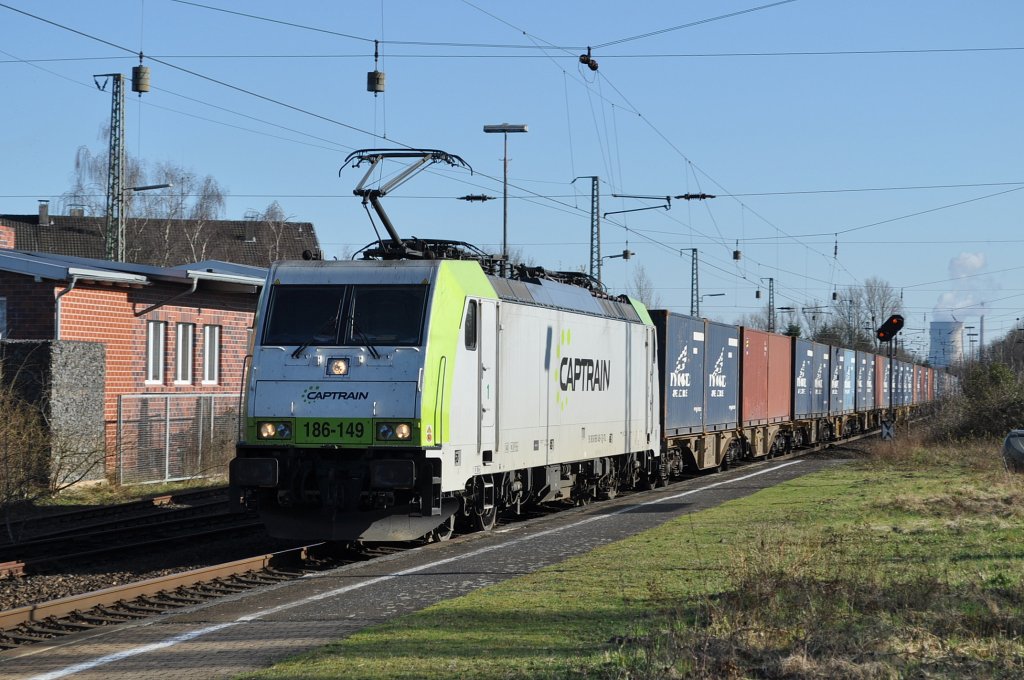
211	355
3	318
155	352
186	335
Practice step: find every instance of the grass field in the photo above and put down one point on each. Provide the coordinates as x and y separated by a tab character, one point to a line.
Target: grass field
907	562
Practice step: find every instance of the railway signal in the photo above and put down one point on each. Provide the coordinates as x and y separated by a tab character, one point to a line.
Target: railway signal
888	330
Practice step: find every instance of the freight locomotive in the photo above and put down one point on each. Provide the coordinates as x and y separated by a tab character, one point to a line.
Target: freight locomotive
390	397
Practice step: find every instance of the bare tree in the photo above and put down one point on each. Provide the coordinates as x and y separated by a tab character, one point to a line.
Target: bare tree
276	222
89	180
878	300
34	463
854	317
157	215
757	320
642	288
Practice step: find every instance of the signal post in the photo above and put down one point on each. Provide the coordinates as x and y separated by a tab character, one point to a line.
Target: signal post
887	333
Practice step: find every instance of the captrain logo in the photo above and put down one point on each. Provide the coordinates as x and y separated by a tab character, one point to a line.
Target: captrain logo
578	374
313	393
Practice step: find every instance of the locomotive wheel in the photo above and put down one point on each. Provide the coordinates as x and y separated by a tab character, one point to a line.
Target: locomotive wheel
443	532
486	520
611	491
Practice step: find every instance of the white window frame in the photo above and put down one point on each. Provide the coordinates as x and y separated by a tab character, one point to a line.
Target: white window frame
211	354
184	353
156	338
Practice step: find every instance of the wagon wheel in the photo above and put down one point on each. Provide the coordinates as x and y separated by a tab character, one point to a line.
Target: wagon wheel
443	531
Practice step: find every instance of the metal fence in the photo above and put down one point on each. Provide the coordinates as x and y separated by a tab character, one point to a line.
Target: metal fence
169	437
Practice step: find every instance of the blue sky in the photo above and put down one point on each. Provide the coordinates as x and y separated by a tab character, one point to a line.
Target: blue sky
748	107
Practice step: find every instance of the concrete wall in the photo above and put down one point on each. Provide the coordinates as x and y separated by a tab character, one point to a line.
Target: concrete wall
65	380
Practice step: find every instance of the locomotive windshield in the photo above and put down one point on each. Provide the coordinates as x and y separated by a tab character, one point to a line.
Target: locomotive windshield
345	315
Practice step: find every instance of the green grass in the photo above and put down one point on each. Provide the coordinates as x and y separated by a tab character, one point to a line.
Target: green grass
109	494
907	562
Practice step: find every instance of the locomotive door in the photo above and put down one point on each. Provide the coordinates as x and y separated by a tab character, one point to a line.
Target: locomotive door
488	374
650	343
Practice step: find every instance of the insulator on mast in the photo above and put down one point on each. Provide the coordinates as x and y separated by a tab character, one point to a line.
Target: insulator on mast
375	80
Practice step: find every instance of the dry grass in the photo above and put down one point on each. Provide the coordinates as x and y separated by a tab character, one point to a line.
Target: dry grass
869	600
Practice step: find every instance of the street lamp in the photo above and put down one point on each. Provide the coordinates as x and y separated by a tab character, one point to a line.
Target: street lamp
116	240
701	299
504	129
626	254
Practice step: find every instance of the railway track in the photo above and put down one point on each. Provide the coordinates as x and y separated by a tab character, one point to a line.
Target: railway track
39	622
77	537
58	524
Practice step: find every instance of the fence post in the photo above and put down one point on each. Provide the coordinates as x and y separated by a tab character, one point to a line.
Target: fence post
119	443
167	438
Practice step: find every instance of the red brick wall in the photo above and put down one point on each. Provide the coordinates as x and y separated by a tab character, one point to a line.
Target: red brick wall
29	307
6	236
106	314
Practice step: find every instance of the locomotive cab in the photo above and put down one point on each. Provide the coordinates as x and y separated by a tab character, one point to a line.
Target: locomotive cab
335	443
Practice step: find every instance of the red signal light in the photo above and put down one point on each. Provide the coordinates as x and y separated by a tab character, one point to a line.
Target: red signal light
892	326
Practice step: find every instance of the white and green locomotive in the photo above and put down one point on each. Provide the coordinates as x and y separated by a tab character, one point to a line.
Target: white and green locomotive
387	398
391	396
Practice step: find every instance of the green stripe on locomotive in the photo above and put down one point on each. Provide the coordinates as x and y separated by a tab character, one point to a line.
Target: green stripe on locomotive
455	281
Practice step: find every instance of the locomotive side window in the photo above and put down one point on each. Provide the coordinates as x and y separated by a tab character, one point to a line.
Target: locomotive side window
386	315
471	325
304	314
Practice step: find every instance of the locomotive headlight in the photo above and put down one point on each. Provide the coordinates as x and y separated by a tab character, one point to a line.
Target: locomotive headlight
393	431
273	430
337	367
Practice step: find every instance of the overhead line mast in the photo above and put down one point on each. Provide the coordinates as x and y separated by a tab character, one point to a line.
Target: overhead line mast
114	235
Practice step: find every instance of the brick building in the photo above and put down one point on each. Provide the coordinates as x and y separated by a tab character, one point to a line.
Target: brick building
152	350
164	330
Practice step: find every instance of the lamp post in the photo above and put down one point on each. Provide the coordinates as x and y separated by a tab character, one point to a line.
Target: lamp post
504	129
790	311
117	242
625	255
701	299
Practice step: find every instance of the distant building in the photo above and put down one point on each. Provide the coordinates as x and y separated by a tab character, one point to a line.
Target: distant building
163	242
947	343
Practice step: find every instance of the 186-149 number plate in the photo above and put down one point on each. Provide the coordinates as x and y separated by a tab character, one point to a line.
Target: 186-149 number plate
333	431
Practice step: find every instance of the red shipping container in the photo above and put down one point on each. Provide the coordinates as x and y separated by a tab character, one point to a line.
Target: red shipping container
780	378
754	378
767	372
